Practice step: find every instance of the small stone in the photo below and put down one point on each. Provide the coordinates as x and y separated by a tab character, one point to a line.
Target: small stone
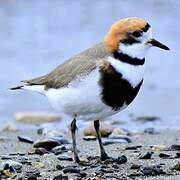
150	131
71	170
52	133
110	160
32	173
32	177
121	137
145	119
89	138
178	155
36	117
152	170
122	159
158	148
115	166
40	151
114	141
177	167
23	160
25	139
105	130
61	177
50	143
60	139
174	147
9	174
118	132
59	149
163	155
39	165
135	166
65	158
147	155
59	167
107	170
14	164
10	126
133	147
6	157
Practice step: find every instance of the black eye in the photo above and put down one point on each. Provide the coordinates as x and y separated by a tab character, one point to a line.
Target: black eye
136	34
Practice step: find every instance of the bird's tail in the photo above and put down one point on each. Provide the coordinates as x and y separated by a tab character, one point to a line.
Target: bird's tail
16	88
38	88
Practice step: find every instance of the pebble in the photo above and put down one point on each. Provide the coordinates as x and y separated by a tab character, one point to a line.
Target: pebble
32	173
178	155
60	149
71	170
24	160
35	117
135	166
10	163
52	133
125	138
59	167
150	131
50	143
177	167
32	177
145	119
114	141
152	170
115	166
107	170
105	130
158	148
122	159
89	138
6	157
65	158
119	132
147	155
25	139
61	177
39	151
163	155
174	147
133	147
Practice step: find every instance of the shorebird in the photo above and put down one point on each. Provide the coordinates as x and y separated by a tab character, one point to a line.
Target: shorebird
101	81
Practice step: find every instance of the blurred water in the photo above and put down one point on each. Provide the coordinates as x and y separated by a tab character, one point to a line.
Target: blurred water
36	36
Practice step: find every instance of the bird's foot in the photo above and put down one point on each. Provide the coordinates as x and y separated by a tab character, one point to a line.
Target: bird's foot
104	157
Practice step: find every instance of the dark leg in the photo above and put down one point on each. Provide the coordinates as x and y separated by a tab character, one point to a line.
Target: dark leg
104	156
73	133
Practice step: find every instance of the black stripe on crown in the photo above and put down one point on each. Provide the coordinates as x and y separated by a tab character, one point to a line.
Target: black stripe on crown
127	59
146	28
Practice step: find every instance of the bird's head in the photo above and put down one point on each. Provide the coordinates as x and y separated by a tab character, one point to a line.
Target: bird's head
131	36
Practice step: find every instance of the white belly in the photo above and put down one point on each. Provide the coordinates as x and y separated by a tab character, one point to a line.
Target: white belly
81	98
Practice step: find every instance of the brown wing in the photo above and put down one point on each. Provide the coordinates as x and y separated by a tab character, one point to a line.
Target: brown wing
80	64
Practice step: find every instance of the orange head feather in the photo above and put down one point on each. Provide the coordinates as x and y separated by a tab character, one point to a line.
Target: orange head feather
119	31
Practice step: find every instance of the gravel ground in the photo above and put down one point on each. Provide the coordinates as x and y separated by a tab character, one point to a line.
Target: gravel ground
143	161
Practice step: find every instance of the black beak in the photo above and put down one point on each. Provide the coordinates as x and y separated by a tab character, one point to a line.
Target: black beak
156	43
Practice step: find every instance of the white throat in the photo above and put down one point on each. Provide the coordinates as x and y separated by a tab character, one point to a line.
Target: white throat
136	50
